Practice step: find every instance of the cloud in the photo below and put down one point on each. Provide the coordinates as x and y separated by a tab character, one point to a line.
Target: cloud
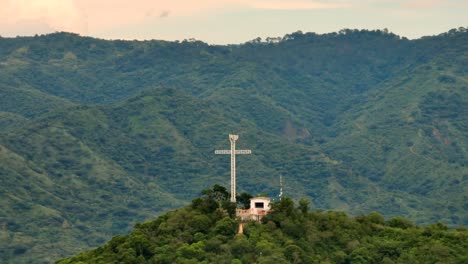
422	3
79	15
164	14
293	5
54	14
97	16
26	27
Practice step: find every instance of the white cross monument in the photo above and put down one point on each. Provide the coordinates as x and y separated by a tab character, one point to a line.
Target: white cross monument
233	152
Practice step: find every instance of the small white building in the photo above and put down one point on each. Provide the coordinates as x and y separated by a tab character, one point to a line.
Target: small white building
259	207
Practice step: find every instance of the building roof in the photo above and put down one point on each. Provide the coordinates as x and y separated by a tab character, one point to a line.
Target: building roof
261	198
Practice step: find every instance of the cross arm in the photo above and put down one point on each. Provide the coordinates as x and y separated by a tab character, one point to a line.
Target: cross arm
238	151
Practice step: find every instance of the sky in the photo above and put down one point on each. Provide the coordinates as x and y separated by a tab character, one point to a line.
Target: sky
227	21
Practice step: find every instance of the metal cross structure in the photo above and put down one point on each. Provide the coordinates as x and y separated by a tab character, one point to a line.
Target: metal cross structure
233	152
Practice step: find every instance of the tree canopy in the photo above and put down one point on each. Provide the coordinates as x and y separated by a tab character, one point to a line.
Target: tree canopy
204	232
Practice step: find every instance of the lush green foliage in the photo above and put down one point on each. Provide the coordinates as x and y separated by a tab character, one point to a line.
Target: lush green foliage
204	233
96	135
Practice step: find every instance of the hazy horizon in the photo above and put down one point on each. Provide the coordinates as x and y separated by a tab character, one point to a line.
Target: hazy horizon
227	21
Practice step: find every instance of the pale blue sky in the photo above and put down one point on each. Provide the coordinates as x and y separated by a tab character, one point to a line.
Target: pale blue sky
227	21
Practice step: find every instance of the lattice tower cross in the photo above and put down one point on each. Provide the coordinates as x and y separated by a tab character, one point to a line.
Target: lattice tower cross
233	152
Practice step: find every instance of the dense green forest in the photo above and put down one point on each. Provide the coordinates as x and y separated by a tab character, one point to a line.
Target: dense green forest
207	232
97	135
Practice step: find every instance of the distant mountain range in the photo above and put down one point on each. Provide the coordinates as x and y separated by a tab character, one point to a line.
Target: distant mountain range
96	135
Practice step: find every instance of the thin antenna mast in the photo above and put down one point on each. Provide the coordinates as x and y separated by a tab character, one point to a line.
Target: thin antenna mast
281	187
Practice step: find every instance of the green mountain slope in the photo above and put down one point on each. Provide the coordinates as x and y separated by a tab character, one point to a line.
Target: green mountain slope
97	135
127	161
9	120
410	135
28	102
52	191
164	140
204	233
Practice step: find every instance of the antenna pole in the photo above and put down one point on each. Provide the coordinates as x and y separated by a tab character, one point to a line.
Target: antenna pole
281	187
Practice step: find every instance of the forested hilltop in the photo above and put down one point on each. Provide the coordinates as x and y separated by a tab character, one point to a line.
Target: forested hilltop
96	135
207	232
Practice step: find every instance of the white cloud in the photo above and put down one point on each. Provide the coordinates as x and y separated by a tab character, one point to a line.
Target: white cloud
78	15
292	5
97	16
26	27
56	14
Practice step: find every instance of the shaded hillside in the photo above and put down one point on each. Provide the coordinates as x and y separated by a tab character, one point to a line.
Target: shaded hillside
160	144
324	69
204	233
128	161
410	136
29	102
96	135
9	120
